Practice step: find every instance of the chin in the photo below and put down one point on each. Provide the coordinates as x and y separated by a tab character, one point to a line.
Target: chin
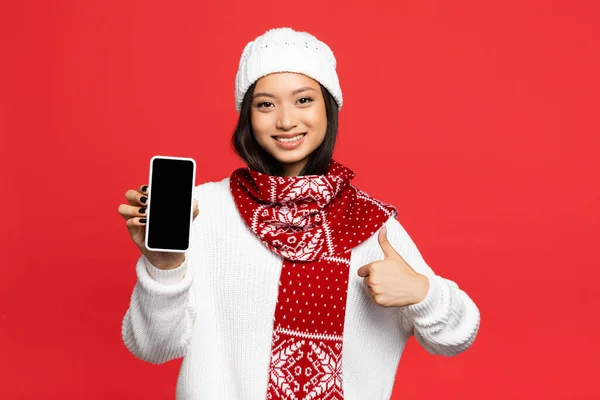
290	157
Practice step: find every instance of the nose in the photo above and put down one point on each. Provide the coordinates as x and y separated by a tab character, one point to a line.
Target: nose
286	119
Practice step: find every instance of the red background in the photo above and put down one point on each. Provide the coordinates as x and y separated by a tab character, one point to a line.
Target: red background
478	120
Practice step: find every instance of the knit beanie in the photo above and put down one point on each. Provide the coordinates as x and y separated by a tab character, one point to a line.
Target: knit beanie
286	50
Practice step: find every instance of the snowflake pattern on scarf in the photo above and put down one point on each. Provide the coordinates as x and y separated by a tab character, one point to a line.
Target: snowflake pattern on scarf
312	222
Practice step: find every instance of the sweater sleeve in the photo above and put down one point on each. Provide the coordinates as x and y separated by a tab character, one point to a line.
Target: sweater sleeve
446	321
157	326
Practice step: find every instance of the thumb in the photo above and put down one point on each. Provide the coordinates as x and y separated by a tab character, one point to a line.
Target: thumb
388	250
196	211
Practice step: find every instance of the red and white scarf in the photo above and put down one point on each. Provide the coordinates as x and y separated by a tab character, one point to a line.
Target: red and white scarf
312	222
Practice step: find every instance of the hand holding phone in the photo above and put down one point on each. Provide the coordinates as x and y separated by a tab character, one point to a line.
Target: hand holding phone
173	184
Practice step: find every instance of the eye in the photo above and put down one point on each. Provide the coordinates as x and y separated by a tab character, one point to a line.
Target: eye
260	105
305	100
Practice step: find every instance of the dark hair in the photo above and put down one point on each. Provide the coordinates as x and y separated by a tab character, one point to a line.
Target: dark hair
248	149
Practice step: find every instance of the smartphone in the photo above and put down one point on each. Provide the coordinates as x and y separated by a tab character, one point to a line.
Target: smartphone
170	208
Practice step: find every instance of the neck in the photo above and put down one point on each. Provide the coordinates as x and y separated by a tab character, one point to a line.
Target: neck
293	169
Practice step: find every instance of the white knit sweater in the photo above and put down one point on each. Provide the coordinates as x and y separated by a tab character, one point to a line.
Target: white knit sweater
216	311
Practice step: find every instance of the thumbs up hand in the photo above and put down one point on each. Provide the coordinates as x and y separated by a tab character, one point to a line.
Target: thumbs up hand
391	282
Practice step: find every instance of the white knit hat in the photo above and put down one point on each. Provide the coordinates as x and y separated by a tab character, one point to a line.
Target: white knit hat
286	50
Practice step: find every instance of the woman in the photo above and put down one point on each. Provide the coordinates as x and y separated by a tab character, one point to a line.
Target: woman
297	285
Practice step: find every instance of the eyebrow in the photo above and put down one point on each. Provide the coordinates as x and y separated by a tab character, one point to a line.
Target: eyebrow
295	92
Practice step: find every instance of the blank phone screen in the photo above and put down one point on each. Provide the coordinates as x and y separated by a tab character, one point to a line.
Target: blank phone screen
169	205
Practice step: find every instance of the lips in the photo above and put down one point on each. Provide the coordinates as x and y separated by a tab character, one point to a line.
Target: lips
289	145
290	139
288	135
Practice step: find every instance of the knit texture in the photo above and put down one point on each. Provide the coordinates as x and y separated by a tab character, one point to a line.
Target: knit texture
216	311
312	222
286	50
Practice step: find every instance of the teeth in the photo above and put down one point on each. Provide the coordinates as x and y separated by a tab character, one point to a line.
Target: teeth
285	140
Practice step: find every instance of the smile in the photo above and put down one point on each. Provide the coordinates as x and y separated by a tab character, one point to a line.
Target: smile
290	143
288	140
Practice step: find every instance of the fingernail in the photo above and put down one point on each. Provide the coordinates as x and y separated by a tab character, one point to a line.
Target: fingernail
142	220
144	188
143	199
143	210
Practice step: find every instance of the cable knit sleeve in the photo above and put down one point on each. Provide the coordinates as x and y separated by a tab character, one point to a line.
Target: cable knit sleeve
446	322
157	327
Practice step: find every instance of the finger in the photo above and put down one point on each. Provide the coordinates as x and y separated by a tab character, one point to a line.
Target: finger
136	198
388	250
133	222
196	211
127	211
366	282
368	287
364	271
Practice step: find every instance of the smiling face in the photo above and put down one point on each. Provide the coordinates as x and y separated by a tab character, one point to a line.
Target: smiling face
288	118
